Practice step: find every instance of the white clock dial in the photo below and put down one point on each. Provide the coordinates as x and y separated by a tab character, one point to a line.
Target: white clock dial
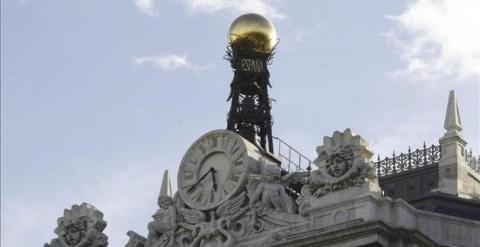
213	169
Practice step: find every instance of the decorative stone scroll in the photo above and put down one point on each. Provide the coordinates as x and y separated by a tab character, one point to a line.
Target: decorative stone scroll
80	226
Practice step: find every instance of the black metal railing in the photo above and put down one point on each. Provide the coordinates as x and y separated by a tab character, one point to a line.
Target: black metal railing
408	161
292	160
473	161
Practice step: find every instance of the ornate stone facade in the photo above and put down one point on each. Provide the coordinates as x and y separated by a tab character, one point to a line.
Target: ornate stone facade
341	195
262	213
232	193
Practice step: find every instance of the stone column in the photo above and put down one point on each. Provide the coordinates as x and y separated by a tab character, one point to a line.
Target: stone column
455	176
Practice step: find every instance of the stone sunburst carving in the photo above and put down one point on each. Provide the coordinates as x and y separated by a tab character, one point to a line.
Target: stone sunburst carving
343	160
80	226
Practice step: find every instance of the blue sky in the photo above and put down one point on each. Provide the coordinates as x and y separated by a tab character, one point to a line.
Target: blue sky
98	98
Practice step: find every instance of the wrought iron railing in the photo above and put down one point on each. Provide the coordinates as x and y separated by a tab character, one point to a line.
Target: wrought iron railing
473	161
409	161
292	160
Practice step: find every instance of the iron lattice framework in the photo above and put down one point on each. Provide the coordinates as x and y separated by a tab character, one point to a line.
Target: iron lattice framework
249	113
409	161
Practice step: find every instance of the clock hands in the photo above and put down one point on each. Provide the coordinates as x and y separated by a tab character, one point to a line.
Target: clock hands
200	180
213	179
211	170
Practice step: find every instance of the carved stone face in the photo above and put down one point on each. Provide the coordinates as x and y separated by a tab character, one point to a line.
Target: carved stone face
165	202
259	210
73	235
336	166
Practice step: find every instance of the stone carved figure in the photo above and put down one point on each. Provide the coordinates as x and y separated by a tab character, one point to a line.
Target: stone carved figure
344	160
269	192
80	226
161	231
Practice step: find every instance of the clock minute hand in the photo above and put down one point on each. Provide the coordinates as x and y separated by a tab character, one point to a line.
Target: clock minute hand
200	180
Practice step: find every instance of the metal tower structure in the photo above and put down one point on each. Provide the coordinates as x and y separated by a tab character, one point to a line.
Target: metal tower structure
250	50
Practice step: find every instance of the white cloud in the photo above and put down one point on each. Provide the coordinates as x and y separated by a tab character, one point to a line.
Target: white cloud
148	7
170	62
165	62
437	39
265	7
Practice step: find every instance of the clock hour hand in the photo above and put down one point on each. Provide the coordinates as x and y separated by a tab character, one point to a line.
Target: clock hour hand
213	178
200	180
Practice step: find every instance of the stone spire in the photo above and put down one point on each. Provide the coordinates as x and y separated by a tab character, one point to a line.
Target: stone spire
455	177
166	189
452	124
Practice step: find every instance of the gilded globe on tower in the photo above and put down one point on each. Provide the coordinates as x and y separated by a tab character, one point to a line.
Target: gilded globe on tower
252	32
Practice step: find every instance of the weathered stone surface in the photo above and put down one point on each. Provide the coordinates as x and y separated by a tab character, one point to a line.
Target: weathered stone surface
80	226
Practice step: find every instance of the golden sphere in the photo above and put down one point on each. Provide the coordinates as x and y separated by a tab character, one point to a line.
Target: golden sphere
252	32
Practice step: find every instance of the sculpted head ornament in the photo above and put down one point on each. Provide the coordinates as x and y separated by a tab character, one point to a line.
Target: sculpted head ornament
343	160
340	153
74	231
80	226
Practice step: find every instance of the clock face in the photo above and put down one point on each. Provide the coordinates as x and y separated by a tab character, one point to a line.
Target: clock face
213	169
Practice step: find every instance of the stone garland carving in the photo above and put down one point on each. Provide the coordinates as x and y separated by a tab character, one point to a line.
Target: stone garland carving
80	226
344	160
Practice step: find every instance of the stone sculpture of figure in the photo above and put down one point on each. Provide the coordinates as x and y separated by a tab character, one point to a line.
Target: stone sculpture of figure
161	231
81	226
270	192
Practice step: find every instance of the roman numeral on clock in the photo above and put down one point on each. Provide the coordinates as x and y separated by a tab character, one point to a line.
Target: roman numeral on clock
199	196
